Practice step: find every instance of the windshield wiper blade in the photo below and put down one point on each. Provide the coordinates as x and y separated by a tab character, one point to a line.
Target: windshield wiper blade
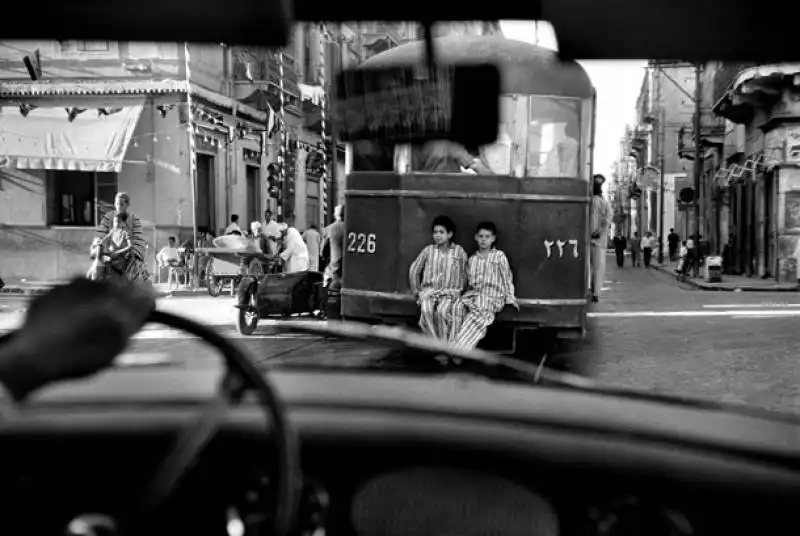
486	364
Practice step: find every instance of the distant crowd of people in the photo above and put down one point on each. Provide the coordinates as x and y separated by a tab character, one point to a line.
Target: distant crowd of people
641	248
120	248
296	251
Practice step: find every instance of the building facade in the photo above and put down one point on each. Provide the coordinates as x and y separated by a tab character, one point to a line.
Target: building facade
760	166
82	120
664	107
95	118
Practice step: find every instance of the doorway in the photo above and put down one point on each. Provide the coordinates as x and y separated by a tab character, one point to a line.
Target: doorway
206	193
253	178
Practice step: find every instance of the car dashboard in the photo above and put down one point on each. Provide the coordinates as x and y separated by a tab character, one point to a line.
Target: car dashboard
392	454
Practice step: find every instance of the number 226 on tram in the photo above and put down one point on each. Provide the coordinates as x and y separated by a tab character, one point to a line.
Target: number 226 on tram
533	183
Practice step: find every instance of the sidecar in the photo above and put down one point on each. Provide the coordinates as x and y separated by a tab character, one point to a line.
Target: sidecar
277	295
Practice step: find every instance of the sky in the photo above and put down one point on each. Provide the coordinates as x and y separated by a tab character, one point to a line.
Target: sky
617	84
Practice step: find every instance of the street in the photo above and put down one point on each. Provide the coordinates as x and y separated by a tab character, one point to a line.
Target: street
652	333
647	332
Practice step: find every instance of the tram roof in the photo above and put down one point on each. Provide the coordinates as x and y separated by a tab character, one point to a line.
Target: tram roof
521	64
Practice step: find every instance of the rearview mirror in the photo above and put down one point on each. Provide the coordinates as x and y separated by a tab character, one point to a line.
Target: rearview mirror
415	104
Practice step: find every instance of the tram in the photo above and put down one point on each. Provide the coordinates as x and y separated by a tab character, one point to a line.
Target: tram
534	183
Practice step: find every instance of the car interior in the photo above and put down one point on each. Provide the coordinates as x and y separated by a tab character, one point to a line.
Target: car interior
237	448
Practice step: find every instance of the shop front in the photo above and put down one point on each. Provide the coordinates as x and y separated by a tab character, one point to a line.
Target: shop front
65	151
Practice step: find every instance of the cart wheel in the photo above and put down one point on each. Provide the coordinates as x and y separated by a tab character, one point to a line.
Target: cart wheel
247	321
255	268
212	283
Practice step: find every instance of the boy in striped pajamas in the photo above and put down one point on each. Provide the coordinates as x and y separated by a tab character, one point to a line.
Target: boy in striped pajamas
437	278
490	288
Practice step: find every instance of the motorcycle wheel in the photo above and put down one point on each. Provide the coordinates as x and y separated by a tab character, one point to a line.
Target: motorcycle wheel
213	285
247	320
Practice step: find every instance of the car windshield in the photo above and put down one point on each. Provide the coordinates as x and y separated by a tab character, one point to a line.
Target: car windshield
612	230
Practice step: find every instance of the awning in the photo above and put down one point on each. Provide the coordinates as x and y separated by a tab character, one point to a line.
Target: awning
766	71
46	139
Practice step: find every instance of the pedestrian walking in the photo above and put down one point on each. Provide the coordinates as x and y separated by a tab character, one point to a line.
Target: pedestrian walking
313	241
620	245
600	222
636	249
673	240
333	237
647	248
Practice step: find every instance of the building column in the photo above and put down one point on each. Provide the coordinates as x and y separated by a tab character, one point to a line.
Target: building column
300	51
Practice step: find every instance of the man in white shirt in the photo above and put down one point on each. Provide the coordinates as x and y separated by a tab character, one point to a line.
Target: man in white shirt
335	238
271	230
270	227
295	252
234	228
314	244
600	221
647	248
168	256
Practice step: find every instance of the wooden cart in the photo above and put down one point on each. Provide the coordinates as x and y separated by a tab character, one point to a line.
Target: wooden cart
229	264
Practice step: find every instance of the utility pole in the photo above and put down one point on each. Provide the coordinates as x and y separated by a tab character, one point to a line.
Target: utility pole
698	92
661	124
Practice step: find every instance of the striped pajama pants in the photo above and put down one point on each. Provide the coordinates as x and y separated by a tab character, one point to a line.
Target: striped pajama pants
470	323
436	315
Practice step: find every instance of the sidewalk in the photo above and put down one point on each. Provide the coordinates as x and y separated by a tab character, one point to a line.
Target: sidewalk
25	287
732	283
21	288
200	307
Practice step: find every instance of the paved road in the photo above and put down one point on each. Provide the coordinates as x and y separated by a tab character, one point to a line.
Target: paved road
647	332
652	333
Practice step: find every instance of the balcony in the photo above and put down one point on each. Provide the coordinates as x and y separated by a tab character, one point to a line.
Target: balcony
710	135
256	73
757	87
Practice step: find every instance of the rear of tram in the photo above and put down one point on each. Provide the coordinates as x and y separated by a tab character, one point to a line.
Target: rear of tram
533	183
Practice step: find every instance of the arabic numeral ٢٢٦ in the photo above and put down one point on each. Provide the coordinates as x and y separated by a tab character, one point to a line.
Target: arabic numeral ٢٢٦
561	244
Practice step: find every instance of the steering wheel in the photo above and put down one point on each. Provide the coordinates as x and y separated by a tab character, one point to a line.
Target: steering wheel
242	375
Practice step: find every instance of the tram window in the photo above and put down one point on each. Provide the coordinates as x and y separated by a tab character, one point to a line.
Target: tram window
445	156
370	155
538	136
554	137
441	156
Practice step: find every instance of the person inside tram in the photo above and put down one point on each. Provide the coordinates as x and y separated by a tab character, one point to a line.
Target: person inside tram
562	160
371	155
497	156
445	156
437	277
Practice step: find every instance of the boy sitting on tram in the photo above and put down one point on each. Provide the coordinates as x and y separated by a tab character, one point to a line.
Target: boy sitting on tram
437	277
490	289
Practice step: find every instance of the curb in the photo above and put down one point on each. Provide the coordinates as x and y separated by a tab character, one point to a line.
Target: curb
14	291
19	291
705	287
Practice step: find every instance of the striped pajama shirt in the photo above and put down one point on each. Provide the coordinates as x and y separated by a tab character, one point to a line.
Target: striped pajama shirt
136	268
437	277
491	287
